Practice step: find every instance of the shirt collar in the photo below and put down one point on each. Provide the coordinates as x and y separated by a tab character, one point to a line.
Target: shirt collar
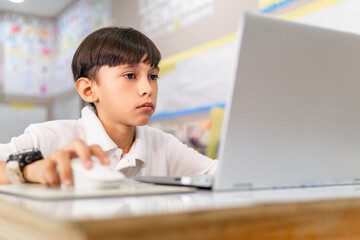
95	131
139	148
96	134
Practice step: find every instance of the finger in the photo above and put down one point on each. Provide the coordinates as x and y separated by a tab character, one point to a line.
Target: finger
50	174
97	151
78	148
64	168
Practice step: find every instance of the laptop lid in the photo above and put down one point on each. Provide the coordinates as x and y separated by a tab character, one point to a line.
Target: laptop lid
293	113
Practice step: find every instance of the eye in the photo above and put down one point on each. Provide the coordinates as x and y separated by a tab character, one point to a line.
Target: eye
129	76
153	77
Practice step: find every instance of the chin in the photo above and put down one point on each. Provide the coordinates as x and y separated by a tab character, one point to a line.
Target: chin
142	122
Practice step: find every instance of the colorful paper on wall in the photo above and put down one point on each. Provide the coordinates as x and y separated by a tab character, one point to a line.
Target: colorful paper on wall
38	52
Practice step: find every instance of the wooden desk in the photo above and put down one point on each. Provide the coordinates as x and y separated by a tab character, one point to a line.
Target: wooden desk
317	213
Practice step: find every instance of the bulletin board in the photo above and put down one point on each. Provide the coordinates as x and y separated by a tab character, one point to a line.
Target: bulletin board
38	52
28	53
84	17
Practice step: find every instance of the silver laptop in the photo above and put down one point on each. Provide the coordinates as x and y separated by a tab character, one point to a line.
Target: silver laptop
292	118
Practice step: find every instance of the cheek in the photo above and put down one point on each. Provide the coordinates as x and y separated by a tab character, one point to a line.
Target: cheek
155	88
120	89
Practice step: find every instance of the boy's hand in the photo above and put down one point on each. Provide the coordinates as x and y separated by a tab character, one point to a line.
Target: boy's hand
57	164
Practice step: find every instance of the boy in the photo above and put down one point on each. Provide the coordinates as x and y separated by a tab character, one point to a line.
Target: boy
116	71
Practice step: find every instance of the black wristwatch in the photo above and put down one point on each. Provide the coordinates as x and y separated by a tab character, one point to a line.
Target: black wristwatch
17	161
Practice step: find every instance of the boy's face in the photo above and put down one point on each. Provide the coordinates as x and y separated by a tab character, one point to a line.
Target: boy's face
126	94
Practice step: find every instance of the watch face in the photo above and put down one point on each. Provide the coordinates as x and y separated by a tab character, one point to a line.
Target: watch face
25	151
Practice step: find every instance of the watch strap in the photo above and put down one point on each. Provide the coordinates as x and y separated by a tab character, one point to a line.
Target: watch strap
17	161
13	172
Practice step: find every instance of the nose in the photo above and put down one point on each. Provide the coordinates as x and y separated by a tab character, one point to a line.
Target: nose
145	87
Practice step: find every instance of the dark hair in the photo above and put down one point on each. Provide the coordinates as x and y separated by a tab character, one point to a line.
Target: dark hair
112	46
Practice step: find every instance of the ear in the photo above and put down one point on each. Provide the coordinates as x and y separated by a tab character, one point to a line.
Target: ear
85	89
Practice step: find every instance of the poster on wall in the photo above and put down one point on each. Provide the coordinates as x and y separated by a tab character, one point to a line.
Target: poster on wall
73	26
28	53
38	52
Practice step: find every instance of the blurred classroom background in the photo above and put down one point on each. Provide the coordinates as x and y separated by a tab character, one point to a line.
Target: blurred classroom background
197	38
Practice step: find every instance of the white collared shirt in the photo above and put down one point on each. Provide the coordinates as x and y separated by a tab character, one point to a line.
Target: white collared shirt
153	153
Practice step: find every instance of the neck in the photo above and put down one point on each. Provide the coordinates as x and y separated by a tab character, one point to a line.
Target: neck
122	135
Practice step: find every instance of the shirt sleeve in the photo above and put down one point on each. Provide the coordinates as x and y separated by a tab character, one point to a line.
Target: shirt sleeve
183	160
46	137
16	144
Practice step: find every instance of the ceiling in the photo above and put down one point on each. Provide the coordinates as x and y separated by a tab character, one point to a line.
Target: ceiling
40	8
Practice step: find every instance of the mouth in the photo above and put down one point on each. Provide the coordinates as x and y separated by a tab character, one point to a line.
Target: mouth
146	106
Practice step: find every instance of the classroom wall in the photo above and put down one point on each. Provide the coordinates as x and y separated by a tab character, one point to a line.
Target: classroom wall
15	117
176	26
